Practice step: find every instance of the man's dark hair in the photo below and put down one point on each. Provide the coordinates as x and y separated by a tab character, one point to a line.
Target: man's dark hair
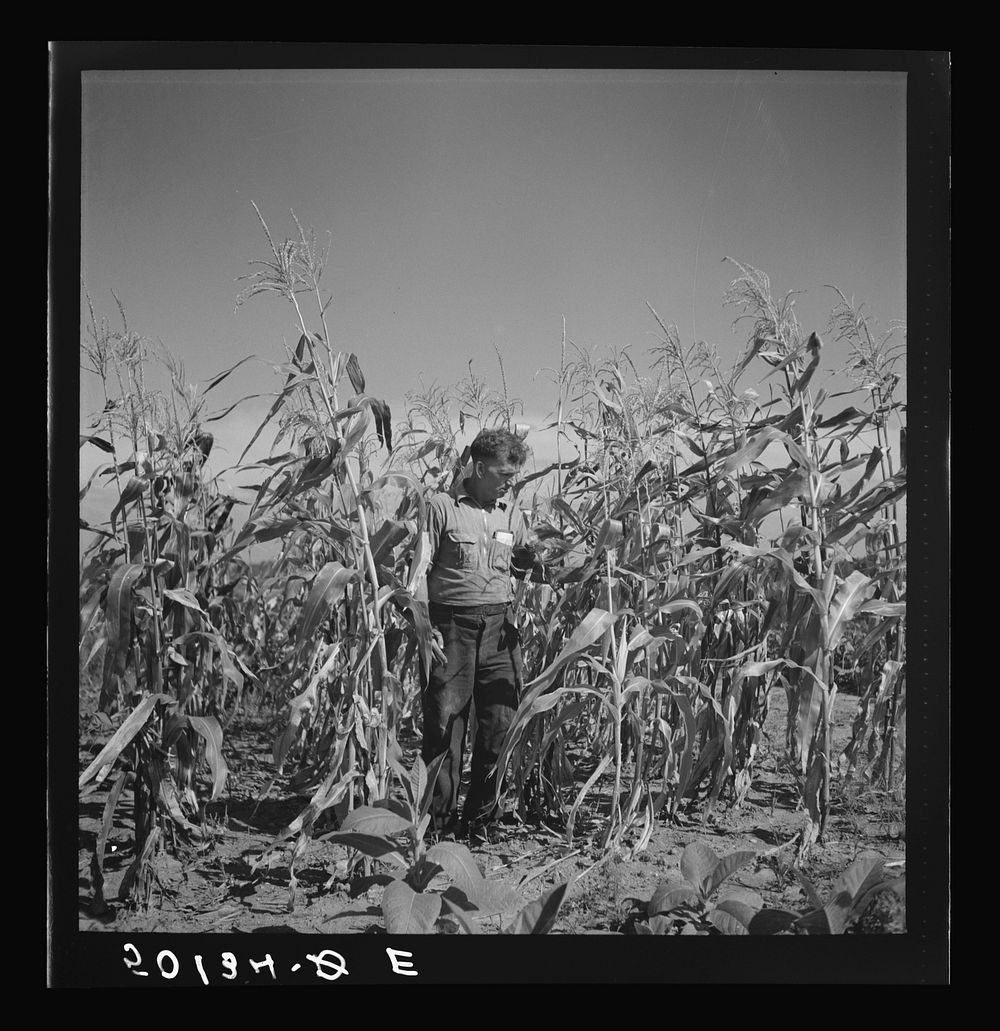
499	444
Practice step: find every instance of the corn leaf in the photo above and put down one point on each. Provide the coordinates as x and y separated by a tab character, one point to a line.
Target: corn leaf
751	451
220	376
851	593
299	707
166	792
591	781
86	487
333	577
137	864
793	355
107	818
293	382
327	794
388	535
878	631
184	597
355	374
610	534
209	729
89	614
803	381
883	608
590	630
137	719
98	645
841	418
687	756
356	431
118	613
680	605
132	490
810	703
99	442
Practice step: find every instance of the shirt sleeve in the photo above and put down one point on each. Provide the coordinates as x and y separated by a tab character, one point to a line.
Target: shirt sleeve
435	527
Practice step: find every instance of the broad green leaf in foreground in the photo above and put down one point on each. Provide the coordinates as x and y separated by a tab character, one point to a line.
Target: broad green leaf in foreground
433	770
461	915
457	862
697	863
407	911
854	886
861	875
490	898
539	916
417	781
668	896
772	921
728	922
726	866
369	844
368	820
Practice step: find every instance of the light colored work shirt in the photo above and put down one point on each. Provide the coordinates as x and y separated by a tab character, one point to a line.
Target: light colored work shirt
470	548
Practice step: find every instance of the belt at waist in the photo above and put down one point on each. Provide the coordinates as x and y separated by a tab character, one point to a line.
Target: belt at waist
435	608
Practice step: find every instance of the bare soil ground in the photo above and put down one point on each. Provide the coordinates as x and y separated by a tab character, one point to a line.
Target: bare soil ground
209	887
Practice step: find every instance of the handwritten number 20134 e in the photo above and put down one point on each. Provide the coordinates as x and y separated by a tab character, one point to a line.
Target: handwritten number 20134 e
327	965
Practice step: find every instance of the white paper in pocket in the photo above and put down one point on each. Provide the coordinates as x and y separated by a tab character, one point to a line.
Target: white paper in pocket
503	537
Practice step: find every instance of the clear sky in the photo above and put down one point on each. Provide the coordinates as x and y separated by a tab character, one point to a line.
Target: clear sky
473	209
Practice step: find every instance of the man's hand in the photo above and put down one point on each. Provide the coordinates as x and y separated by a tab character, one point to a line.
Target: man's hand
523	557
437	647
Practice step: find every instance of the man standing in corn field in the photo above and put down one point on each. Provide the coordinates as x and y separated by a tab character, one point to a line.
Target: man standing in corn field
476	545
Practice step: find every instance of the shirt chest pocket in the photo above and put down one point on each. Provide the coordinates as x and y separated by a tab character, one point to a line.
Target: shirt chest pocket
500	556
462	551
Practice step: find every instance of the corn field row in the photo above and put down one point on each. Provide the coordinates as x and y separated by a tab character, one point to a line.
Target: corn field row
691	572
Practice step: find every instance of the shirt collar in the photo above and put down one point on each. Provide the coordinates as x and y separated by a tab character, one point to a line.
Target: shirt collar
462	492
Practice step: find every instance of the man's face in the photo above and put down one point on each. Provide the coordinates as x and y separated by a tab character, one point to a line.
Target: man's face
494	477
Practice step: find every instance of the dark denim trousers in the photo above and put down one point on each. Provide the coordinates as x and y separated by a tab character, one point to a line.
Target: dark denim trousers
484	664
